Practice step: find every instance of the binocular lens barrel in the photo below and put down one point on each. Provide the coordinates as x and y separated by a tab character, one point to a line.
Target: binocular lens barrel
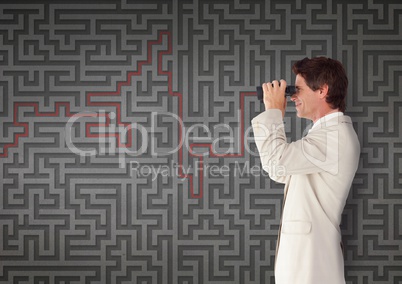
289	91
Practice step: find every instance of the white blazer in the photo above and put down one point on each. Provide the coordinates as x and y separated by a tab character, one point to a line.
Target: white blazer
317	171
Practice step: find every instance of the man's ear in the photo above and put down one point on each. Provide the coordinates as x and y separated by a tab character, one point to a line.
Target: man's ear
323	91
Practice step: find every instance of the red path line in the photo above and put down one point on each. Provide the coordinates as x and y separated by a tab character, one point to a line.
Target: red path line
88	134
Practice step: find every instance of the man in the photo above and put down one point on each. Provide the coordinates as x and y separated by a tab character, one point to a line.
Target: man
317	171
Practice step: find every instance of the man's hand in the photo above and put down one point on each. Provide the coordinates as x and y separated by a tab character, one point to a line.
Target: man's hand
274	95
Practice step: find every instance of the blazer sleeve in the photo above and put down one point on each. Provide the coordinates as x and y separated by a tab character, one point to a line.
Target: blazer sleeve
317	152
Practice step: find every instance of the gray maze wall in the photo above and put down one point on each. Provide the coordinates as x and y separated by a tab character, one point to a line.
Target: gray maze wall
126	150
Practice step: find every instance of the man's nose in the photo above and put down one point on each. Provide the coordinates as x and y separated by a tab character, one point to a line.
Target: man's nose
293	97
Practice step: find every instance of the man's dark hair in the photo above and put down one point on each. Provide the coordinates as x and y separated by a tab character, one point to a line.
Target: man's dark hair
322	70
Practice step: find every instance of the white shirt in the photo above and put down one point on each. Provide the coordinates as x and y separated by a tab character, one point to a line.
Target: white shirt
326	118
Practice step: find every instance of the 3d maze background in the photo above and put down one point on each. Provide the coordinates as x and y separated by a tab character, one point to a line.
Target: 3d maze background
95	95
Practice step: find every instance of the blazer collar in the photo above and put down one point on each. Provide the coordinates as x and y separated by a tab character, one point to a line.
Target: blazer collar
331	120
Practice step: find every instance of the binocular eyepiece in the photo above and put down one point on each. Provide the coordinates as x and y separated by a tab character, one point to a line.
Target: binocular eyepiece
289	91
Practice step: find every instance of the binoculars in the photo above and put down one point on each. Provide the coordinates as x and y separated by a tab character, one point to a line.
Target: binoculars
289	91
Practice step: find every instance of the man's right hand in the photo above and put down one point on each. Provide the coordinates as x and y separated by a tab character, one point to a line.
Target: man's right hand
274	95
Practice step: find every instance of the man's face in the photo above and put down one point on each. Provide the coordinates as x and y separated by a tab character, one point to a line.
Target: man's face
306	100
